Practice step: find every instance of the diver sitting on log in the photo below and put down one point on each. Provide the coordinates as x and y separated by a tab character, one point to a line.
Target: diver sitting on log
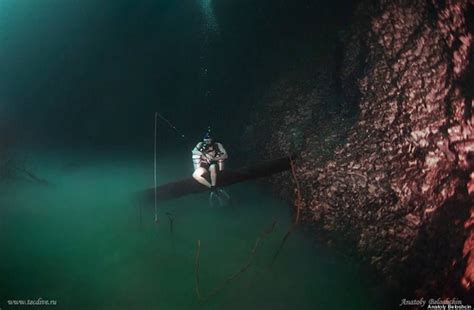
209	156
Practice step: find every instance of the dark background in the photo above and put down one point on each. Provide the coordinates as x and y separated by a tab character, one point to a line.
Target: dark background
92	73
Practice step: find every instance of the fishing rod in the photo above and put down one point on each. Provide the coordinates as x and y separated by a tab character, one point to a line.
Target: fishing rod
154	174
180	133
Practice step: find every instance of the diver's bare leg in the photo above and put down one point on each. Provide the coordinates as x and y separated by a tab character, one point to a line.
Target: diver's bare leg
198	176
213	195
213	172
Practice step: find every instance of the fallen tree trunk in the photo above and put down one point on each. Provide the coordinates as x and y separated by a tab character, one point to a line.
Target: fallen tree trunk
224	178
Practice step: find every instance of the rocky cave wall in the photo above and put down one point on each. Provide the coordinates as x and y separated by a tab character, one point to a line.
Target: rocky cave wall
396	186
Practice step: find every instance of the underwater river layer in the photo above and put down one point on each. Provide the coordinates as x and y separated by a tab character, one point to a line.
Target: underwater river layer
82	242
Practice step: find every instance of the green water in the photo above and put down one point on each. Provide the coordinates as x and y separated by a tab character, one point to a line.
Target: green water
80	242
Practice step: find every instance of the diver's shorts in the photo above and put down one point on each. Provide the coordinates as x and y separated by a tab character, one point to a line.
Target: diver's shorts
207	165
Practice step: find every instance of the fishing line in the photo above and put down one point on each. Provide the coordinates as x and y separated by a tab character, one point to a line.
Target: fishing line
158	115
170	124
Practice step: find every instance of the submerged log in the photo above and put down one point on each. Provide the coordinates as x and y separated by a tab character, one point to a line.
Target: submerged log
224	178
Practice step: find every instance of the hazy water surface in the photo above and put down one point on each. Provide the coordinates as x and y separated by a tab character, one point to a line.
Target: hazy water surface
80	242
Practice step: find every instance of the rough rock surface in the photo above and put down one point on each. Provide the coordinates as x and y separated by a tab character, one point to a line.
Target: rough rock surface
399	191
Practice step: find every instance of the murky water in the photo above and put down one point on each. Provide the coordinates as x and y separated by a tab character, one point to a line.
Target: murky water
80	242
208	13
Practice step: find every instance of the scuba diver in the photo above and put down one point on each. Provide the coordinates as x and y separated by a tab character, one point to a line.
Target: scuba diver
209	156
